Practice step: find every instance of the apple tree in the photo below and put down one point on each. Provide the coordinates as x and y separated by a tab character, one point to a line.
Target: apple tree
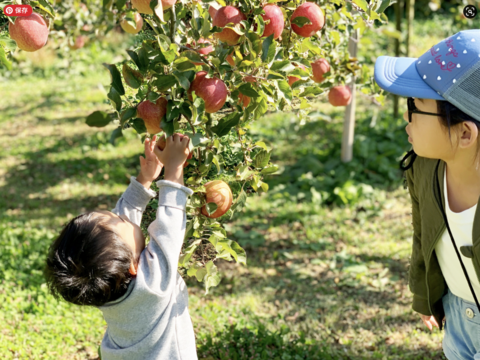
210	69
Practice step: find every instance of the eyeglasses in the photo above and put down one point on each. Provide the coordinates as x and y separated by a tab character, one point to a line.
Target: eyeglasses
413	109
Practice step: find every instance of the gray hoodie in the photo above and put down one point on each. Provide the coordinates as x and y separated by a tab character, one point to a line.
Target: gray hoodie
151	321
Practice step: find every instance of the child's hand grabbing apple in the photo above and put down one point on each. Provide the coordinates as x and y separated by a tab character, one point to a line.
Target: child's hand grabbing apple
150	166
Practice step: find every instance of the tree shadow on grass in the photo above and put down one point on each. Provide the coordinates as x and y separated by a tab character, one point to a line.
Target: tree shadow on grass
38	173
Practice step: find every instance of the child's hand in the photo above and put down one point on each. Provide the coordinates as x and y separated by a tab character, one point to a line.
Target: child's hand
173	156
429	321
150	166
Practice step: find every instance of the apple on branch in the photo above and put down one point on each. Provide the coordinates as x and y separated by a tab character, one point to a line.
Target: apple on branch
218	192
213	91
29	32
314	14
224	16
152	114
129	28
340	95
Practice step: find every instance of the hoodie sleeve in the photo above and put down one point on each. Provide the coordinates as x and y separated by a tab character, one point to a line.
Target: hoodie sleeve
417	271
166	232
133	201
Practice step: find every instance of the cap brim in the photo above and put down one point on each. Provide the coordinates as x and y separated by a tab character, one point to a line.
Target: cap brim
399	76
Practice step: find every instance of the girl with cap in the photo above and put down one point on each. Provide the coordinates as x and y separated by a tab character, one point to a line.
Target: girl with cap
443	176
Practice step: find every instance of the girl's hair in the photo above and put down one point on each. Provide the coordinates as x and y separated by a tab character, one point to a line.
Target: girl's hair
88	264
450	116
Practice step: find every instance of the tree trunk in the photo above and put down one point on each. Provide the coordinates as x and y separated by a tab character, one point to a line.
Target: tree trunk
349	122
398	26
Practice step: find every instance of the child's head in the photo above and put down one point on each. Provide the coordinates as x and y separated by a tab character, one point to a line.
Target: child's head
94	258
444	135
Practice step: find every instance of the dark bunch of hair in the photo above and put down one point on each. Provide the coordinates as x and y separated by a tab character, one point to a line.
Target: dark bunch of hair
88	264
450	116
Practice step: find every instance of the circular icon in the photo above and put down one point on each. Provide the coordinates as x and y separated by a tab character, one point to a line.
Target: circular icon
470	11
9	10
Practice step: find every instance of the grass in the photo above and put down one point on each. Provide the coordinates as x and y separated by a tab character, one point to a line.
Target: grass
322	282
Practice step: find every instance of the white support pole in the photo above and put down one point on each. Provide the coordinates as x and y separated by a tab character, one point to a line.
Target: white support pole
349	121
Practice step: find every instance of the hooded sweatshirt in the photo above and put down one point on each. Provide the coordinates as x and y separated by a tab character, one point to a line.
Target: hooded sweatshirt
151	320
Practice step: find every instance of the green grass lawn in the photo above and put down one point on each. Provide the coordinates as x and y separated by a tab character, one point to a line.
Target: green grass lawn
321	282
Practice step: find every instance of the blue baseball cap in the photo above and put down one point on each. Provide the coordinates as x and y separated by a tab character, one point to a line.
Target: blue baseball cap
448	71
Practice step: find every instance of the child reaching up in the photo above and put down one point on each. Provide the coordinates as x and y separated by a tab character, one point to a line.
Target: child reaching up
100	259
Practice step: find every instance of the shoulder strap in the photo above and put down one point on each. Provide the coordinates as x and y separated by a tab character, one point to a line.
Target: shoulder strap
439	200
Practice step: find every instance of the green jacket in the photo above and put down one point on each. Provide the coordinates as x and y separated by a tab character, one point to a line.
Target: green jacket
425	278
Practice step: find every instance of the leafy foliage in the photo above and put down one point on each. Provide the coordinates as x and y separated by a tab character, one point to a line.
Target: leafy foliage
162	65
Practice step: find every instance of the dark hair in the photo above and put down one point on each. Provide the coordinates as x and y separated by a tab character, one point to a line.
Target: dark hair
88	264
450	117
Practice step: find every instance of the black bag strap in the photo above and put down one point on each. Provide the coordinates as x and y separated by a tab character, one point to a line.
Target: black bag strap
439	200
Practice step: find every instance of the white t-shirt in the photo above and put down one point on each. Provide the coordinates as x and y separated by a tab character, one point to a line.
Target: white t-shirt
461	225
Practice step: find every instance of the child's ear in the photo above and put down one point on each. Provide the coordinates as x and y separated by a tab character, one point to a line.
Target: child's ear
133	269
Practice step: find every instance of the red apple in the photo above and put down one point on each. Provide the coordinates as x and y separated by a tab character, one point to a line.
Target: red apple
292	79
204	50
319	67
29	32
129	28
152	114
276	24
213	92
218	192
143	6
314	14
340	95
161	143
224	16
194	86
79	42
212	11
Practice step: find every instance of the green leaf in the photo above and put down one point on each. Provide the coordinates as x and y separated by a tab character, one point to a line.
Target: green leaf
98	119
165	82
268	49
285	66
164	42
4	60
136	59
117	133
138	125
362	4
243	172
211	208
198	139
127	114
132	77
188	252
226	124
240	202
248	90
116	79
311	90
143	59
167	127
114	96
212	278
192	56
184	66
8	43
269	170
233	249
285	90
261	108
157	8
301	21
183	79
261	159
